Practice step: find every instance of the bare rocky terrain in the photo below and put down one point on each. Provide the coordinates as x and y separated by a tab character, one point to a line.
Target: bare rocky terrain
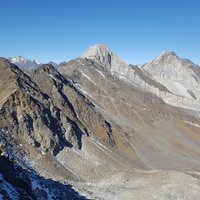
97	128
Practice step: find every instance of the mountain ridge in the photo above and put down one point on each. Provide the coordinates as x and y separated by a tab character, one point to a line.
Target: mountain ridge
27	64
169	92
101	126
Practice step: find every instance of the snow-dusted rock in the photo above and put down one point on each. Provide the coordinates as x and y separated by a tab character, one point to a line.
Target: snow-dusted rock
24	63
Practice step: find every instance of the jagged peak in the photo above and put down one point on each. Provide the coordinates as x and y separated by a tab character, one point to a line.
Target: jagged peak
47	68
24	63
166	54
51	71
18	59
54	64
97	49
102	55
171	56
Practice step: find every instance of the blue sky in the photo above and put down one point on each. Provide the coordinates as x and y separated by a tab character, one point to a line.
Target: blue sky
135	30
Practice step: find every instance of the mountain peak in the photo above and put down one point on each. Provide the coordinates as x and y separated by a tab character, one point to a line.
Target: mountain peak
24	63
166	54
165	57
18	59
96	49
100	53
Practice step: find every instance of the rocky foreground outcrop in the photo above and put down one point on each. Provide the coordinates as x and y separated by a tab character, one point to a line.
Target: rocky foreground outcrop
21	182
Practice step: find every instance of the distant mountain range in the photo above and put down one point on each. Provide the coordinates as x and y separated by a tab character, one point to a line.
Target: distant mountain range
26	64
98	128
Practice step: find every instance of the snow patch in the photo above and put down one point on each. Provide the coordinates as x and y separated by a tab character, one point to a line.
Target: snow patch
100	73
100	146
51	76
86	76
103	146
193	124
80	88
79	62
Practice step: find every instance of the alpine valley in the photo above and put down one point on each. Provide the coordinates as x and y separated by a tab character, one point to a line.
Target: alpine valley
98	128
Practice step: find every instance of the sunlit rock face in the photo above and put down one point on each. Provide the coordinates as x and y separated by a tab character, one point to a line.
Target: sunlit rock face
180	76
171	78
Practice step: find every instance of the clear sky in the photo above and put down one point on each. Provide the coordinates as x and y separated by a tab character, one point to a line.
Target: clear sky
135	30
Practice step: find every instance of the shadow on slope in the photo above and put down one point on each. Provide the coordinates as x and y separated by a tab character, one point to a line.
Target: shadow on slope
17	182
